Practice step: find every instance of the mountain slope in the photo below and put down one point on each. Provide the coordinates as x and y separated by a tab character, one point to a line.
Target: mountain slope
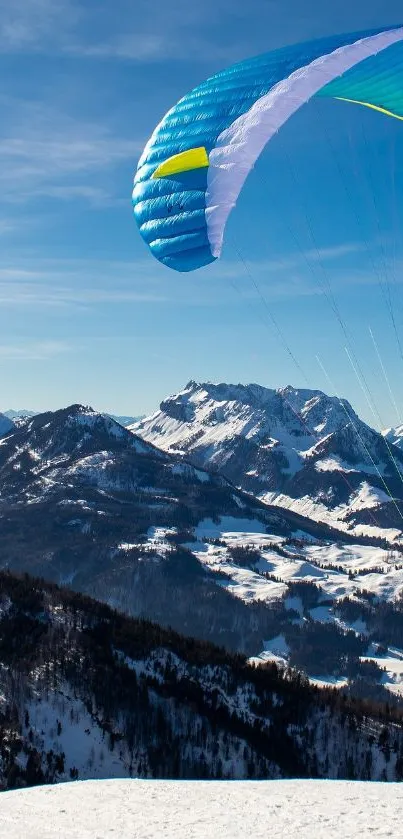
299	449
6	425
86	692
336	810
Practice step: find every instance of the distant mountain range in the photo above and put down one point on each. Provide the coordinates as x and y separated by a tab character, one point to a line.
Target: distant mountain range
23	414
87	503
298	449
192	533
126	420
13	415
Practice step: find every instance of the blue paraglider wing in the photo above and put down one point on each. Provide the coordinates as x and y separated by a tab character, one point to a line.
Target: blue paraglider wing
193	168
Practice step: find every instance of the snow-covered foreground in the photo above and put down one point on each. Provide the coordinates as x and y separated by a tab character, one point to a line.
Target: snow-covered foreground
201	809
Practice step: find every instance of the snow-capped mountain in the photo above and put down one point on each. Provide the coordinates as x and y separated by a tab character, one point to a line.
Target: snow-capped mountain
76	450
394	435
299	449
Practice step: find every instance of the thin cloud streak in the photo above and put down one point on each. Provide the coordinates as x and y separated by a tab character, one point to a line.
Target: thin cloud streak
47	152
180	31
298	260
136	34
33	351
32	25
82	283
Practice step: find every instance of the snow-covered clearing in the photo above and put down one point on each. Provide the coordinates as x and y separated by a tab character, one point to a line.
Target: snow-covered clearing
203	809
157	541
229	525
392	663
339	570
275	650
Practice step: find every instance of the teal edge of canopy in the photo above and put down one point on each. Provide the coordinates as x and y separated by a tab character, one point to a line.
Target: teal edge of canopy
182	215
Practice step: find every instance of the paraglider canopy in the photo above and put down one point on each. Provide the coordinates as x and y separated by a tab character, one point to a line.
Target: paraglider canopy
194	166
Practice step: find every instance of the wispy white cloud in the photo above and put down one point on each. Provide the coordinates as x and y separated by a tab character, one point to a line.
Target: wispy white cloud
47	157
9	225
97	196
139	32
142	31
179	44
40	295
65	283
33	350
27	25
88	283
45	151
302	260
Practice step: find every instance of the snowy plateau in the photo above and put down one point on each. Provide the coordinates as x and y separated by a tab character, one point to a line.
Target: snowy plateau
186	810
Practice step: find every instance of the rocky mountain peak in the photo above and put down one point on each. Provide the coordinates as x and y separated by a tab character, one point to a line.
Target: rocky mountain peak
287	446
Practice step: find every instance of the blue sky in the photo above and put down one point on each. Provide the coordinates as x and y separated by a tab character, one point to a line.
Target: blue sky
86	314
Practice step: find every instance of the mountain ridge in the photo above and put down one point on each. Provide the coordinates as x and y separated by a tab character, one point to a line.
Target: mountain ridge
23	414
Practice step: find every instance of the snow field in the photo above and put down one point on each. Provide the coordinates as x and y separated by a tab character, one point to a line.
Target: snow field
118	809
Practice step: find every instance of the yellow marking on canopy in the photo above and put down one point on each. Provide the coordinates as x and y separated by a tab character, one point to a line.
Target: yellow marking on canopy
373	107
185	161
